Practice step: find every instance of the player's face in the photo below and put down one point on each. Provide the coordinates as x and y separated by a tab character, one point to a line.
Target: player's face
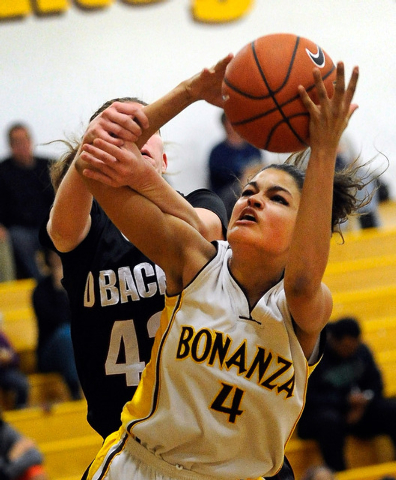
265	214
153	150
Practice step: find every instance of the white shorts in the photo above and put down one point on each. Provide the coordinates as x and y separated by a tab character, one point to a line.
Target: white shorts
135	462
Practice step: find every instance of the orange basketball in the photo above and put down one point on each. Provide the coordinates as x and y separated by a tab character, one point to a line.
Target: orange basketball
260	90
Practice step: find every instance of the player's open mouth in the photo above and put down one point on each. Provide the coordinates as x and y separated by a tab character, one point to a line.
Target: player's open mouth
248	215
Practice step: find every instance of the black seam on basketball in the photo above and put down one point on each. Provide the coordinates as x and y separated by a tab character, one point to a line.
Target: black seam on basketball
244	94
272	93
256	117
271	132
268	112
291	63
290	100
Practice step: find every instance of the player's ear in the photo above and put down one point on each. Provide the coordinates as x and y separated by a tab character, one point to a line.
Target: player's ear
164	162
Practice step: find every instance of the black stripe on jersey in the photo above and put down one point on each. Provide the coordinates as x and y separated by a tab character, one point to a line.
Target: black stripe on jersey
249	318
157	368
110	458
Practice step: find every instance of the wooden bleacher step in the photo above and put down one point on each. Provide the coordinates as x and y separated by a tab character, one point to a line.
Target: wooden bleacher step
371	472
16	293
370	272
71	456
373	242
61	421
365	303
379	333
359	453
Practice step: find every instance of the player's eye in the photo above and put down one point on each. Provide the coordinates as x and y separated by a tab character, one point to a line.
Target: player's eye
279	199
247	192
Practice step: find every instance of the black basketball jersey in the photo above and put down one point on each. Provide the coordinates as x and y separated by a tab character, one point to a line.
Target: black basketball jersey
116	297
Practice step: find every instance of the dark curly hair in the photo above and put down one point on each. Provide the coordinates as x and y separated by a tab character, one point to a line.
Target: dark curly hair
348	181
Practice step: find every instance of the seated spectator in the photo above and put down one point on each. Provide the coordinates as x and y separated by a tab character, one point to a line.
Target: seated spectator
345	395
11	378
26	195
20	459
51	305
227	161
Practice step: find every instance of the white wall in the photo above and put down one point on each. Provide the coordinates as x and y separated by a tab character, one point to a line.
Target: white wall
56	71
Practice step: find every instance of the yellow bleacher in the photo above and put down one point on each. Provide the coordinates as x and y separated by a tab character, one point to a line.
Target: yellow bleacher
362	277
62	434
369	472
19	324
359	453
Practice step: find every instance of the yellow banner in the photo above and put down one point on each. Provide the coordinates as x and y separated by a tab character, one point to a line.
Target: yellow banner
51	6
208	11
219	11
14	8
137	2
93	3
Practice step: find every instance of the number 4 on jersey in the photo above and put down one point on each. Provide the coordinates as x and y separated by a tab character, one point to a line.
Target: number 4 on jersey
124	333
235	398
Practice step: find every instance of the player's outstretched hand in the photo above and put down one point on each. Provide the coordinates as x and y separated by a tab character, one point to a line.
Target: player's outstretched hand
206	85
329	119
121	121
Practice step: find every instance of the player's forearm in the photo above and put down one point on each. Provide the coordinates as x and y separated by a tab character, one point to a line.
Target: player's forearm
170	201
311	240
148	183
205	85
69	215
164	109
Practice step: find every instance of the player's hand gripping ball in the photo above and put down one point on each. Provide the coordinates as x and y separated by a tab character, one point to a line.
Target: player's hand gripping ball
260	90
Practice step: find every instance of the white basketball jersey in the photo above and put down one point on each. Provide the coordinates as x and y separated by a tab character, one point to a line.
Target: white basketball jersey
225	386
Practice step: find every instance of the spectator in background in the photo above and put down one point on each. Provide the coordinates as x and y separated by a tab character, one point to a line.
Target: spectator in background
51	305
20	459
26	195
11	378
345	395
227	161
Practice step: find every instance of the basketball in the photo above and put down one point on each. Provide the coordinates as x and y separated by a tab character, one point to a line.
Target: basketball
260	90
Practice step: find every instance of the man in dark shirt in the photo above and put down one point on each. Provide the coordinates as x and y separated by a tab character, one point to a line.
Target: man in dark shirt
345	395
227	163
26	195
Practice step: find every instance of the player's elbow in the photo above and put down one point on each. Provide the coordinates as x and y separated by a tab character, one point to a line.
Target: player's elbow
302	286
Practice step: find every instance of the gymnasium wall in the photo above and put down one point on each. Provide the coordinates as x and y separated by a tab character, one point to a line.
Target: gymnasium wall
56	69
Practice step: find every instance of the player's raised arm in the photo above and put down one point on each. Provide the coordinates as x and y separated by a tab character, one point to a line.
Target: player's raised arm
309	300
206	85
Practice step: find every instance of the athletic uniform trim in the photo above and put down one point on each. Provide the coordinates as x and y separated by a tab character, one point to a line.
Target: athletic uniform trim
109	457
158	364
